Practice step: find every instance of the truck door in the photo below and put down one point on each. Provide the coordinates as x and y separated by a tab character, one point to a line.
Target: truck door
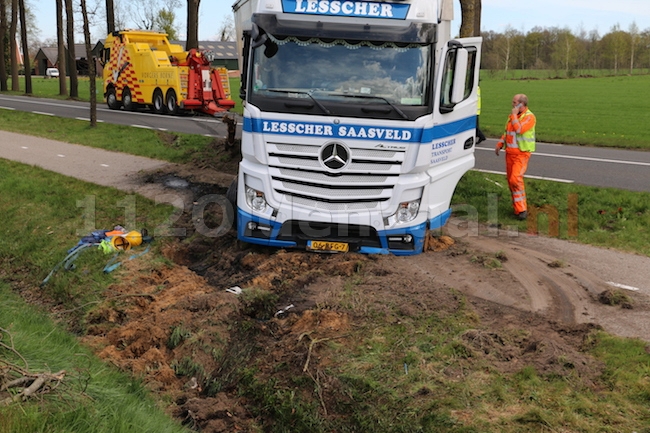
456	89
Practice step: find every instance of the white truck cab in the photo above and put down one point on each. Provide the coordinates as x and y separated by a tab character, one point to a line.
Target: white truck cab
359	121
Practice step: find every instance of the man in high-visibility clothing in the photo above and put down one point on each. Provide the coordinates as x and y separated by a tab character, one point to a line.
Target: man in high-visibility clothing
519	141
480	137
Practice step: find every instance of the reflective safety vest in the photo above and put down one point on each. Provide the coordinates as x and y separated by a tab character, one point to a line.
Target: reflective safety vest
525	141
478	103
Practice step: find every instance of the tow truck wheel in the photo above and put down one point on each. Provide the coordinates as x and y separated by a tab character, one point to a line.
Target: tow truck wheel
158	102
172	102
127	100
111	99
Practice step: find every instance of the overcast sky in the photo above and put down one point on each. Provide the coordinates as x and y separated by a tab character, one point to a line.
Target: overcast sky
498	15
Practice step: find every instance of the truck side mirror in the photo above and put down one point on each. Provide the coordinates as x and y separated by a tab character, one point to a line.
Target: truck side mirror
258	36
460	75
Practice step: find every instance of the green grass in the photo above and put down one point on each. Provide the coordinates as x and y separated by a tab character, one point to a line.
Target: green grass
42	219
597	216
604	111
173	147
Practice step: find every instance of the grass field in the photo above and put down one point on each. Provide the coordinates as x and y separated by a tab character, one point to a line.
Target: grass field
605	111
41	221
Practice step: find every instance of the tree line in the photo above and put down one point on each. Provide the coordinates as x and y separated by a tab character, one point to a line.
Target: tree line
568	54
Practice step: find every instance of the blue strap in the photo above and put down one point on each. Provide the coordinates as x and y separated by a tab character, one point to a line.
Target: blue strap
68	261
110	266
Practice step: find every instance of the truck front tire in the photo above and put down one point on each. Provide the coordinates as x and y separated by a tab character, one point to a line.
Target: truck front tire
231	196
111	99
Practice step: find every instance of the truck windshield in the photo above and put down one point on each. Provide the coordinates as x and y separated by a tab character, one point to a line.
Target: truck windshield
382	79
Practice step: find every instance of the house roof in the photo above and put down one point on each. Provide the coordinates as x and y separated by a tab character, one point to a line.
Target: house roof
52	53
221	49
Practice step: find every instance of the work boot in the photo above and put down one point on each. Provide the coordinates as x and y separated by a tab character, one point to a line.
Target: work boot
522	215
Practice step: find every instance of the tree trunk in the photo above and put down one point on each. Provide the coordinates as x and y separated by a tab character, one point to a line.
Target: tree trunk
72	58
470	18
110	17
63	79
13	49
192	24
23	37
3	45
91	67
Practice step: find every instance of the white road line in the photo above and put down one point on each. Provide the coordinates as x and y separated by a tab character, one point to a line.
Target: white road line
43	113
104	165
623	286
583	158
527	176
85	119
142	126
8	108
61	156
24	147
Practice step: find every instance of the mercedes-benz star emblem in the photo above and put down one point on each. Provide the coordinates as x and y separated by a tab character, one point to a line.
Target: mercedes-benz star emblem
335	156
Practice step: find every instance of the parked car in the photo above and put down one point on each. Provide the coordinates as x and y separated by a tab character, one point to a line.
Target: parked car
51	73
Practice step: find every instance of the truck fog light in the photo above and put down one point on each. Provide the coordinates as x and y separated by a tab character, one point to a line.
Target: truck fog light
255	199
407	211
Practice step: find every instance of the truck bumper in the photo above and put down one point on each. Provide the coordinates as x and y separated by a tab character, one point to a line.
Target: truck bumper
361	239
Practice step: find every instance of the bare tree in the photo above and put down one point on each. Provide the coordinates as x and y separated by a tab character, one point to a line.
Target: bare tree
72	58
226	30
634	36
3	44
63	79
192	24
13	49
91	66
23	36
110	17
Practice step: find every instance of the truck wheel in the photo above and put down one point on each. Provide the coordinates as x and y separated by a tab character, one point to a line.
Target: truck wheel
231	196
111	99
127	100
158	102
172	102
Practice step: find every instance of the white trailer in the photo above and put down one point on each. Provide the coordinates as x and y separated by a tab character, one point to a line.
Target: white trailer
359	121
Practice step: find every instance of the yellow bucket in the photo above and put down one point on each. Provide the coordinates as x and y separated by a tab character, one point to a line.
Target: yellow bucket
134	237
120	243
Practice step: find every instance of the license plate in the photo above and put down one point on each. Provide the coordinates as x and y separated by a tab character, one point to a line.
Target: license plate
339	247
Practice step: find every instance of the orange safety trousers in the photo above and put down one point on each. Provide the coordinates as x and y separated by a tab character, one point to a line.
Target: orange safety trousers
516	165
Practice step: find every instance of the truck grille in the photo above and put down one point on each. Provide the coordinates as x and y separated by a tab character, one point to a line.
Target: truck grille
368	179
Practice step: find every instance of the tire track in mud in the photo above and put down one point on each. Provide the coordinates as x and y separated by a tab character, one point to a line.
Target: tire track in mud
534	279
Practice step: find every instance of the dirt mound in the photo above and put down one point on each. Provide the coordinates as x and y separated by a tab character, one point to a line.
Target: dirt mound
187	329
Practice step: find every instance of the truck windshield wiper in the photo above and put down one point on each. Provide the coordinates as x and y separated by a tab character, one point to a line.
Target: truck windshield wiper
301	92
354	95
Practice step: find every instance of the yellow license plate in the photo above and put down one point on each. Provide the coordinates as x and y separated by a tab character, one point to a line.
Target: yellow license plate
339	247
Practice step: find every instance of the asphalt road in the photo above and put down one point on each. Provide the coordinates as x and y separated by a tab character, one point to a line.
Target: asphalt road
601	167
593	166
190	124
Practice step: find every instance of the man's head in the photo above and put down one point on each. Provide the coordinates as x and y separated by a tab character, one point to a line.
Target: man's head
520	100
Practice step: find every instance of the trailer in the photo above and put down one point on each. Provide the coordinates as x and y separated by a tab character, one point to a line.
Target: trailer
359	121
142	68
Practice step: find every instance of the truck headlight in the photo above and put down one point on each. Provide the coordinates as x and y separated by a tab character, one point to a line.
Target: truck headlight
406	212
255	199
